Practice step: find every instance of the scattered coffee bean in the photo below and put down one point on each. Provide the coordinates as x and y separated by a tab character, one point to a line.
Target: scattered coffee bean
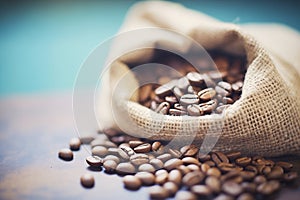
156	163
143	148
161	176
171	187
111	157
192	178
232	188
75	144
172	163
158	192
110	166
189	150
213	183
86	140
65	154
99	151
125	168
146	168
139	159
175	176
185	195
94	161
201	190
132	182
146	178
164	157
87	181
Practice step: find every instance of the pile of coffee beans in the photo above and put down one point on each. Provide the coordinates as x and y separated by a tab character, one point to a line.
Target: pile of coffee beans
204	89
183	172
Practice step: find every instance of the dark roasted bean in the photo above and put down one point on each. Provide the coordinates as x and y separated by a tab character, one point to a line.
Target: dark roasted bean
213	172
172	163
233	155
139	159
156	163
276	173
232	188
201	190
94	161
135	143
213	183
75	144
207	94
245	196
87	181
163	108
193	178
189	99
189	150
165	89
248	187
268	188
243	161
143	148
259	179
65	154
290	176
285	165
196	79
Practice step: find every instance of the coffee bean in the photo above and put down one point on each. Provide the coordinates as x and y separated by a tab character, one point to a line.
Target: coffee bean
183	169
189	99
290	176
143	148
110	166
113	151
163	108
224	197
190	160
176	112
243	161
248	187
268	188
209	106
227	100
75	144
99	151
87	181
177	92
125	168
225	85
227	167
210	163
161	176
201	190
233	155
185	195
192	178
165	89
196	79
205	167
193	167
135	143
164	157
172	164
171	100
127	150
213	183
222	157
259	179
110	132
232	188
222	91
139	159
157	147
203	157
175	153
158	192
146	178
276	173
195	110
206	94
175	176
65	154
146	168
86	140
230	175
213	172
94	161
189	150
111	157
251	168
285	165
247	175
179	107
131	182
245	196
266	170
156	163
171	187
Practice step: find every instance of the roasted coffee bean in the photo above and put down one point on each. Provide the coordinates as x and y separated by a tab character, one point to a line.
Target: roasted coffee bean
132	182
158	192
217	75
157	147
75	144
222	91
213	183
205	167
172	163
201	190
139	159
94	161
175	176
251	168
224	197
222	157
185	195
171	187
86	140
87	181
146	168
163	108
110	132
164	157
227	167
143	148
266	170
203	157
111	157
285	165
206	94
171	100
243	161
268	188
245	196
276	173
213	172
99	151
189	150
125	168
183	169
135	143
177	112
189	99
232	188
193	178
175	153
195	110
208	81
208	107
183	83
193	167
165	90
161	176
190	160
230	175
225	85
65	154
110	166
156	163
233	155
247	175
113	151
179	107
227	100
146	178
177	92
237	87
290	176
196	79
210	163
259	179
248	187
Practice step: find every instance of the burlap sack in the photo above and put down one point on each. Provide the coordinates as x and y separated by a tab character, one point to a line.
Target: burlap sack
266	119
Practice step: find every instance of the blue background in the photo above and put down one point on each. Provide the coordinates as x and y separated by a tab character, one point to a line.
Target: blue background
42	44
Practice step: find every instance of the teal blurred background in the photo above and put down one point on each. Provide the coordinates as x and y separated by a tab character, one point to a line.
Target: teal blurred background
43	43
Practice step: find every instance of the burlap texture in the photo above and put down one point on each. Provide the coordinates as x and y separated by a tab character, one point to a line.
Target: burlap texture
265	120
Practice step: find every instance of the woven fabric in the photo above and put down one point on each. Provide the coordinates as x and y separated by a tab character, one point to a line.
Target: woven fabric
264	121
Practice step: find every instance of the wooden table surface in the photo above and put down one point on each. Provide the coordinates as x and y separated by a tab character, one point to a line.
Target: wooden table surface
32	130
